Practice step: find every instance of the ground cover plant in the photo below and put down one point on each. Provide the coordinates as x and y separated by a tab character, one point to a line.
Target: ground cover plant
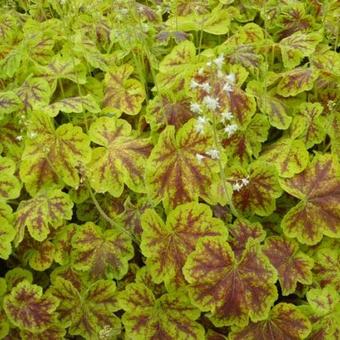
169	169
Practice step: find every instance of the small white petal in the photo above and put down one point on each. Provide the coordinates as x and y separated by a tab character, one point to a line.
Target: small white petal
213	153
195	107
194	84
231	78
237	186
199	157
211	103
227	115
206	87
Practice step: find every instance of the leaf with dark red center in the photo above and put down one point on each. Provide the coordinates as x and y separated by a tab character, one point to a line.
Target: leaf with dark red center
39	255
297	46
87	311
178	63
62	243
16	275
29	309
259	188
327	264
101	252
244	144
291	264
122	93
318	212
167	245
297	81
290	156
168	109
324	313
241	232
310	125
9	185
233	290
9	102
9	143
285	322
174	173
33	93
72	105
120	159
38	214
169	317
63	67
53	156
55	332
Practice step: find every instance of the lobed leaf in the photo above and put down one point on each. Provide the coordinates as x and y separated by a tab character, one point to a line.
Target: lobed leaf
167	245
318	212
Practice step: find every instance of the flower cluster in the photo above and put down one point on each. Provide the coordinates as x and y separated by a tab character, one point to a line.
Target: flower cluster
239	184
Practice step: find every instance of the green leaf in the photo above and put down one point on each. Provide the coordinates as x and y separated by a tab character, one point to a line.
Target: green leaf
167	245
291	264
297	46
258	196
38	214
285	321
9	102
296	81
173	172
233	290
318	212
53	156
170	316
312	124
87	311
102	253
288	155
39	255
55	332
323	301
244	144
15	276
29	308
122	93
73	105
33	93
62	243
7	234
120	159
9	185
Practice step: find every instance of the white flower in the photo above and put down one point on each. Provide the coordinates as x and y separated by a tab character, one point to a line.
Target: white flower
199	157
220	74
200	124
230	129
206	87
194	84
245	181
195	107
227	87
32	134
227	115
18	138
209	63
219	61
211	103
231	78
237	186
200	71
213	153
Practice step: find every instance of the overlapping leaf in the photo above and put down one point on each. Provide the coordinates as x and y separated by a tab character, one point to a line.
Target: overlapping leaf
288	155
259	194
9	102
167	245
233	290
38	214
101	252
297	81
291	264
28	308
318	212
169	317
86	311
174	174
285	322
120	159
53	156
9	185
122	93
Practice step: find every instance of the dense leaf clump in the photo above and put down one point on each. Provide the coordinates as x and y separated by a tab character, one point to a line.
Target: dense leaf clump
169	169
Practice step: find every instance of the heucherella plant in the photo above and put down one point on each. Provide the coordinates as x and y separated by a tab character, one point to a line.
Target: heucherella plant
169	170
